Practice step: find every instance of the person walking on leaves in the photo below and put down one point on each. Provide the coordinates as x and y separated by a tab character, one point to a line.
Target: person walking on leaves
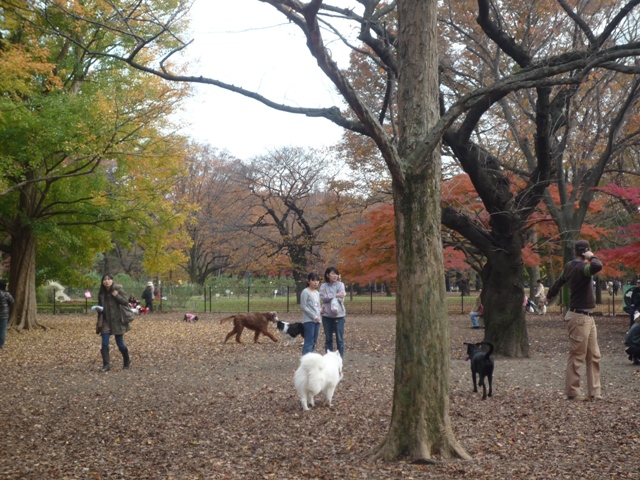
110	297
147	296
583	335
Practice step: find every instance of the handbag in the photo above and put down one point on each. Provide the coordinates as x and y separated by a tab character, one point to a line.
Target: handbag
126	314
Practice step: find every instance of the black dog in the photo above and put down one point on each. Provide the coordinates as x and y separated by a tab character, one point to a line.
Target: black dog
290	330
482	365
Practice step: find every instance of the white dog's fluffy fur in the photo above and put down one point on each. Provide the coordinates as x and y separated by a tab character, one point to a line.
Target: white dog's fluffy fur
317	374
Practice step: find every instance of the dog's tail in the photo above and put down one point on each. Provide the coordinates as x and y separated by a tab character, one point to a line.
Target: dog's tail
227	319
488	354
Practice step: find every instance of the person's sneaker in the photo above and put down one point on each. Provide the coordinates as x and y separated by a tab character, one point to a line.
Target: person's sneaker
595	397
475	328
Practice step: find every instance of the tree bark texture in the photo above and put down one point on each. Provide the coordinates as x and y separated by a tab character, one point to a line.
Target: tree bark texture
23	280
504	314
420	423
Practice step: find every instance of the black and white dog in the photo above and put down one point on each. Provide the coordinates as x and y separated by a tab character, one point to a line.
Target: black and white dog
481	365
290	330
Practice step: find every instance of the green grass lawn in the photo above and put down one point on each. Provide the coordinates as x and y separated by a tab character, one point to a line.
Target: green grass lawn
355	304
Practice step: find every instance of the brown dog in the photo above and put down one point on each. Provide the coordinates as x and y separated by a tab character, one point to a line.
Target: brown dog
258	322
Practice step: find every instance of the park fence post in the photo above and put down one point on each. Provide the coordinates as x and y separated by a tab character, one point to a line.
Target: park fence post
248	301
462	301
370	298
210	298
613	301
288	290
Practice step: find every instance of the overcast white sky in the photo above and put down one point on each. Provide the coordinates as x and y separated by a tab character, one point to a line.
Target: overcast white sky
249	44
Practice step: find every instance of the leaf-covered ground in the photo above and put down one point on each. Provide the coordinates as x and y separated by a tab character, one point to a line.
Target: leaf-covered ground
193	407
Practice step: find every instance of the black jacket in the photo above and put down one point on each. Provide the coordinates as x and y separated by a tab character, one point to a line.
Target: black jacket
147	294
6	302
578	274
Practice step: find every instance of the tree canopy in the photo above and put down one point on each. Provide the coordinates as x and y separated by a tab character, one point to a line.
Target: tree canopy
87	155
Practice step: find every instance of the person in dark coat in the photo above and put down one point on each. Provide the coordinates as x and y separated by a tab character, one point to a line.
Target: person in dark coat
6	302
632	342
110	297
147	296
634	305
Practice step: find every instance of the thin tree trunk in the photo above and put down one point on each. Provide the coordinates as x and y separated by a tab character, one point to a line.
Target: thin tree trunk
23	280
534	275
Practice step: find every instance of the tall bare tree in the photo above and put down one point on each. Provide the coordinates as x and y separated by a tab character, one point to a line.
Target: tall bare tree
294	200
213	223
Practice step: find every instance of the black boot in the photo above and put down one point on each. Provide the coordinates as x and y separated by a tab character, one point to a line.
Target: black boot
126	359
106	360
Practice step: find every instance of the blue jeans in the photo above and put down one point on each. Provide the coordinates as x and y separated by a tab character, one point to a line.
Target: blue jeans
311	330
474	319
119	341
3	331
333	326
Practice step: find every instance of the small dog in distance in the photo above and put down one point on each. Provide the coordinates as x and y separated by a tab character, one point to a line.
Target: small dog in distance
481	365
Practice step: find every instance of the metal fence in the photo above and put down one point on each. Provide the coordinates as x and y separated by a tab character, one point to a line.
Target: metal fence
282	298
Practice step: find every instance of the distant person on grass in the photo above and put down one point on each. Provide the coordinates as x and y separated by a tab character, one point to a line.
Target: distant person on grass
477	312
147	296
539	293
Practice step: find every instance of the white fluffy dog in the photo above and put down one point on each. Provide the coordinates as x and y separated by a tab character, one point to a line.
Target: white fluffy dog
317	374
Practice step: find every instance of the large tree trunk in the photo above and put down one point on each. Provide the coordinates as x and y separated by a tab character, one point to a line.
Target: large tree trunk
504	315
23	280
420	424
